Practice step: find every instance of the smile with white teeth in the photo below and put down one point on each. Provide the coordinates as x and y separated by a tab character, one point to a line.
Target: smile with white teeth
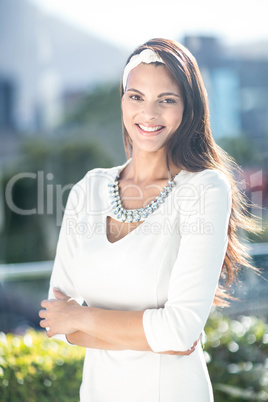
150	129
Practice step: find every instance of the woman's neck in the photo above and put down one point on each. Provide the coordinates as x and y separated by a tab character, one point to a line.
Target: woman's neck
148	167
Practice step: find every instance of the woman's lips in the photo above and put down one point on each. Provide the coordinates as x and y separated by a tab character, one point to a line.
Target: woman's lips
150	130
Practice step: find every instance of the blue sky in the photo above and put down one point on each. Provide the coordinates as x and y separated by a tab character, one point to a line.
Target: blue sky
130	23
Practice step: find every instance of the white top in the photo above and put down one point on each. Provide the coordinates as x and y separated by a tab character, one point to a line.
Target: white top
168	266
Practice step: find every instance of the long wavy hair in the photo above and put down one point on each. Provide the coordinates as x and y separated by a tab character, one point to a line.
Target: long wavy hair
193	148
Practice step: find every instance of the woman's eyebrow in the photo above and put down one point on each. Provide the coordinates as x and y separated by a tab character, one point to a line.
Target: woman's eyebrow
135	90
168	94
159	96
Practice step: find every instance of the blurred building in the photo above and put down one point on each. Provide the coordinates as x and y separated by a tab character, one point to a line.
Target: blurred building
46	66
236	80
41	58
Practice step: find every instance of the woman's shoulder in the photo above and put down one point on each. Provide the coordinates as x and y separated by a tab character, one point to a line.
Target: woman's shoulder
98	174
94	179
211	177
208	184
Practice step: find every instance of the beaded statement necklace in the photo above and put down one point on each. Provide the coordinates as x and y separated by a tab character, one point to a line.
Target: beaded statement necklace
136	215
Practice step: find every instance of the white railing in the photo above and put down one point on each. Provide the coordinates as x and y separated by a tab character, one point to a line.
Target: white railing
27	270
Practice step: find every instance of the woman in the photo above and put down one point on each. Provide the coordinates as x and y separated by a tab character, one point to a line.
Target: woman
144	244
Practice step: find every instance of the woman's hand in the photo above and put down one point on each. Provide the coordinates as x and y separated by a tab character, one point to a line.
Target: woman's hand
60	314
186	353
65	316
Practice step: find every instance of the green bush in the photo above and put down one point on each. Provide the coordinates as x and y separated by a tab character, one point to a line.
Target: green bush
35	368
237	355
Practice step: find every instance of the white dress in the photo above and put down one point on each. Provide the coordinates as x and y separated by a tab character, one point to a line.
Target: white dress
169	266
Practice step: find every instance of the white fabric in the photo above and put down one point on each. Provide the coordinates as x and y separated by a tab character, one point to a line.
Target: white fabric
169	266
147	56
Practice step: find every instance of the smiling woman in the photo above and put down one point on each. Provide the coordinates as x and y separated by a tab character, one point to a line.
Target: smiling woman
165	230
152	106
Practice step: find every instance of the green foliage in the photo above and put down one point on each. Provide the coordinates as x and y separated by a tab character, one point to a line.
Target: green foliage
90	136
67	160
54	166
242	150
98	115
101	106
237	355
33	367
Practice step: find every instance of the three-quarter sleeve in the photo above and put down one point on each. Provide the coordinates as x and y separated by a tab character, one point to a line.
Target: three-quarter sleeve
63	272
203	229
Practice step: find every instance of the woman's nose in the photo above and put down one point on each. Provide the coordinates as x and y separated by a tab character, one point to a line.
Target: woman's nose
150	110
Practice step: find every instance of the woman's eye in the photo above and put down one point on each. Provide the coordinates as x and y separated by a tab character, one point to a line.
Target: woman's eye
135	97
168	101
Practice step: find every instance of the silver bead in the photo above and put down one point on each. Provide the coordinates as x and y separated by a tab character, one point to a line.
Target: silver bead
144	214
159	200
154	205
163	194
136	217
129	218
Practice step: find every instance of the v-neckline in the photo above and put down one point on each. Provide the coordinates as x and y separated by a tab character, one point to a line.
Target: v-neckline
117	172
123	223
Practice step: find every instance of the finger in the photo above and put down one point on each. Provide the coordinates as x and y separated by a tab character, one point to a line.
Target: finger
49	333
43	324
190	351
187	353
60	295
42	313
44	303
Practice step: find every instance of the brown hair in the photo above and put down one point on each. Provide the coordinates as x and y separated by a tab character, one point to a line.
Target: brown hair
193	148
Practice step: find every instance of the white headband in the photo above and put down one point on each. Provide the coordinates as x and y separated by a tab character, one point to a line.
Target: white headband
146	56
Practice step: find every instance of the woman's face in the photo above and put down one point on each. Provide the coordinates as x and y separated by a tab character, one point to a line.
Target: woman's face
152	107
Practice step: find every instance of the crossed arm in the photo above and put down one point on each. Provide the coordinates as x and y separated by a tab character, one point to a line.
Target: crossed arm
96	328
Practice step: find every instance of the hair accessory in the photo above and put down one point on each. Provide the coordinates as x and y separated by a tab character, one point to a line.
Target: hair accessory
136	215
146	56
